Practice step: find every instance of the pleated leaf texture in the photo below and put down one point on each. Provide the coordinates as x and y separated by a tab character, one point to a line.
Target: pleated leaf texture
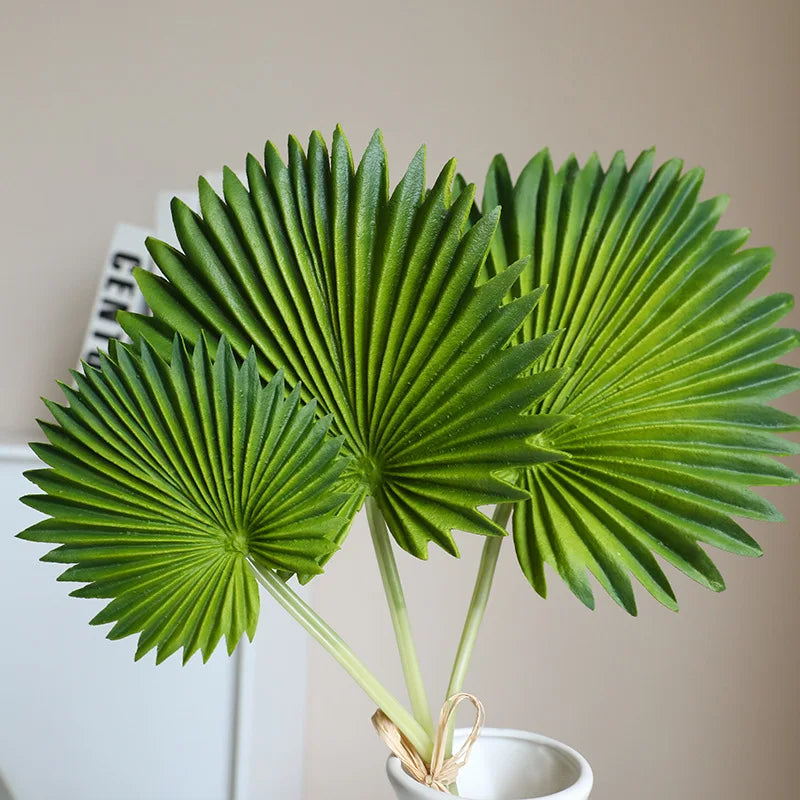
166	476
368	298
668	368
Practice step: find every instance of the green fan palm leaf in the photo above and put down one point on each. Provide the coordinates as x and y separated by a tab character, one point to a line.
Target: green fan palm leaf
668	368
165	476
369	298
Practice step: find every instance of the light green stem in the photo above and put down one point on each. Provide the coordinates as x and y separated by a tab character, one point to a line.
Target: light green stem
399	614
477	606
337	647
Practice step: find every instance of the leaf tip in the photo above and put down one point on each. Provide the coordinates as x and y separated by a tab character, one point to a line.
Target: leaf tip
203	185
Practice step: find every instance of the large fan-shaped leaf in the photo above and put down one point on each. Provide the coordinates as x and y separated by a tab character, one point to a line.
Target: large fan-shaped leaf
369	299
668	366
166	476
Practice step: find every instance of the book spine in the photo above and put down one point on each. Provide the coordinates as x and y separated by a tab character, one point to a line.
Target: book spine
116	290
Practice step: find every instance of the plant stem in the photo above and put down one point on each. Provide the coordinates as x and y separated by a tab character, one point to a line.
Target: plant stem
477	606
399	614
338	648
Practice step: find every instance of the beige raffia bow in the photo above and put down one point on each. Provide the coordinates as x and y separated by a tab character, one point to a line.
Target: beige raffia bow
441	772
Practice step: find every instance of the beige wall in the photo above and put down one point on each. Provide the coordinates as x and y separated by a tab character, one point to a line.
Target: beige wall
102	105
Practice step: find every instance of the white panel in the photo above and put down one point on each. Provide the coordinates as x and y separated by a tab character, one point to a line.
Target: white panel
79	720
273	707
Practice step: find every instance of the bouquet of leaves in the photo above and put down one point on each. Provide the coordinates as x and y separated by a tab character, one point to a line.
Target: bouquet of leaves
588	361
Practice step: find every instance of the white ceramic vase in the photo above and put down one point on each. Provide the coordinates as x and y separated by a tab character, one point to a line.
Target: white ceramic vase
507	765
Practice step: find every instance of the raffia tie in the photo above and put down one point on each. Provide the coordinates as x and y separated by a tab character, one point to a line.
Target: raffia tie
441	772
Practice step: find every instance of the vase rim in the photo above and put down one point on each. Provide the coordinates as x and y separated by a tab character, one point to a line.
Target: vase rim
580	787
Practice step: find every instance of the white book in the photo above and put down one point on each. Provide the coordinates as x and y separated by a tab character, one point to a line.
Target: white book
116	290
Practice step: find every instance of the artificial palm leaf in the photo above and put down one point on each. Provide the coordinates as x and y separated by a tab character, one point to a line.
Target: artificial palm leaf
165	476
667	363
369	298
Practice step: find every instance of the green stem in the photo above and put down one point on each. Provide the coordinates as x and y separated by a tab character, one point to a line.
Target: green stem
399	614
477	606
337	647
